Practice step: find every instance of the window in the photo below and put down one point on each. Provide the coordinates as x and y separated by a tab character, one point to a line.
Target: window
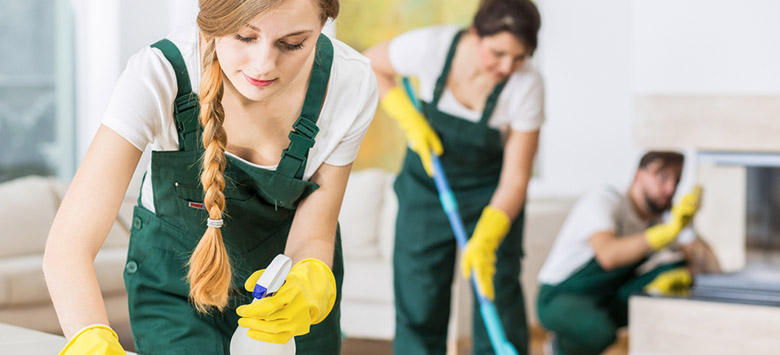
36	89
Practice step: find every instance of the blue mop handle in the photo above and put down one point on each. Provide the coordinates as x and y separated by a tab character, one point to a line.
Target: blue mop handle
493	324
410	92
448	202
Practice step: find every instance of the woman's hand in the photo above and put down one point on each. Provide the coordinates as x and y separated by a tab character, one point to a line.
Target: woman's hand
94	340
306	298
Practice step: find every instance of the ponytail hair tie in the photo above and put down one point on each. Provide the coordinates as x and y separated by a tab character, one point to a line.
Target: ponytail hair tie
216	223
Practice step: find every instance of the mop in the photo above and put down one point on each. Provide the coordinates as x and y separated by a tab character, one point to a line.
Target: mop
488	310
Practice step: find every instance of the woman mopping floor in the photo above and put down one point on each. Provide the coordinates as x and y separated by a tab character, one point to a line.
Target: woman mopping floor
483	108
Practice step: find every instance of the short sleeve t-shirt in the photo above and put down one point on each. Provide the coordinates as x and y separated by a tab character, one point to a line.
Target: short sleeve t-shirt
422	53
603	209
141	106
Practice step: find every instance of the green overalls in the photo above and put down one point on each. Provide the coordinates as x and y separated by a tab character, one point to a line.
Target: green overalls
425	246
586	310
260	206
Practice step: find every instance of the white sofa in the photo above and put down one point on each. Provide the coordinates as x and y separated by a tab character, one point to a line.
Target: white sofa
367	222
26	214
368	226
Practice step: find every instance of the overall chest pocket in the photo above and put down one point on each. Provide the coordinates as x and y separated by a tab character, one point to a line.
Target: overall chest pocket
247	211
191	212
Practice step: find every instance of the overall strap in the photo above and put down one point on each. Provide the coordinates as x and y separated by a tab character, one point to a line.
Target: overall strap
186	106
293	163
490	104
441	83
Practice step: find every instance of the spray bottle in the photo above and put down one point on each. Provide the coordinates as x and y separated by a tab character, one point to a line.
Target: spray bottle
268	283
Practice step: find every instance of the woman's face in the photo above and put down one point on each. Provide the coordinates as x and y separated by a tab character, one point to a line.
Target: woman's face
500	54
267	54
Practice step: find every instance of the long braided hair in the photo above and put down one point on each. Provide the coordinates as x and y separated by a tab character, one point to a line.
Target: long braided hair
210	273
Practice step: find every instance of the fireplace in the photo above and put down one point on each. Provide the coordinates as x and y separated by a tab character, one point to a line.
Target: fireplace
735	155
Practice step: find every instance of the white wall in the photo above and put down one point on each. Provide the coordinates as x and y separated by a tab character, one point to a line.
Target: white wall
97	64
706	46
141	23
584	57
597	55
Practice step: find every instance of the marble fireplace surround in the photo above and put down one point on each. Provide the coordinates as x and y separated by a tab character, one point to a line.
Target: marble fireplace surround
727	133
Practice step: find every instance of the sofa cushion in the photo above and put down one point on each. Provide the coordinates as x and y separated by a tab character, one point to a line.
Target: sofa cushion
387	217
368	281
22	281
26	213
368	320
360	213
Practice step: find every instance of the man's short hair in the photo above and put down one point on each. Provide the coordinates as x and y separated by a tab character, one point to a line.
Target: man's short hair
665	158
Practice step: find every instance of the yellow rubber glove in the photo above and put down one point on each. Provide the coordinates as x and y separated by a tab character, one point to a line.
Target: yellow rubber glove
306	298
661	235
422	139
94	340
673	282
480	251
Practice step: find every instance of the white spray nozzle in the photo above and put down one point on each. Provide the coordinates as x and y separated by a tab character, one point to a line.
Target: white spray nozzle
273	277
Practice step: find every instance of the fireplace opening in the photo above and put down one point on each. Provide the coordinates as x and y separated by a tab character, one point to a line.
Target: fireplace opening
763	217
759	281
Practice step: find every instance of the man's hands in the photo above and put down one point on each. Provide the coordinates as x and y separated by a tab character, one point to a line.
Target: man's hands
661	235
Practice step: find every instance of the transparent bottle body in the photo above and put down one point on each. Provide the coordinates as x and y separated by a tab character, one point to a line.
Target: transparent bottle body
242	344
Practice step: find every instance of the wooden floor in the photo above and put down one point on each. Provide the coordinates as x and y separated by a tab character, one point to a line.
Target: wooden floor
378	347
351	346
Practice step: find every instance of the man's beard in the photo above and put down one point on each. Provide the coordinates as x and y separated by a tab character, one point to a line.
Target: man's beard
654	207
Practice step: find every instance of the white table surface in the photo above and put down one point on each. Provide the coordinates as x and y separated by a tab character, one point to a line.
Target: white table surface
17	340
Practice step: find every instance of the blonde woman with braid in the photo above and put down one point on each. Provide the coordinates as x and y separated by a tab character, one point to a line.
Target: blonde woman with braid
254	119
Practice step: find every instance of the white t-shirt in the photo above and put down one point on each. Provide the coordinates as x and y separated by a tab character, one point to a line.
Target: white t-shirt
603	209
422	52
141	106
